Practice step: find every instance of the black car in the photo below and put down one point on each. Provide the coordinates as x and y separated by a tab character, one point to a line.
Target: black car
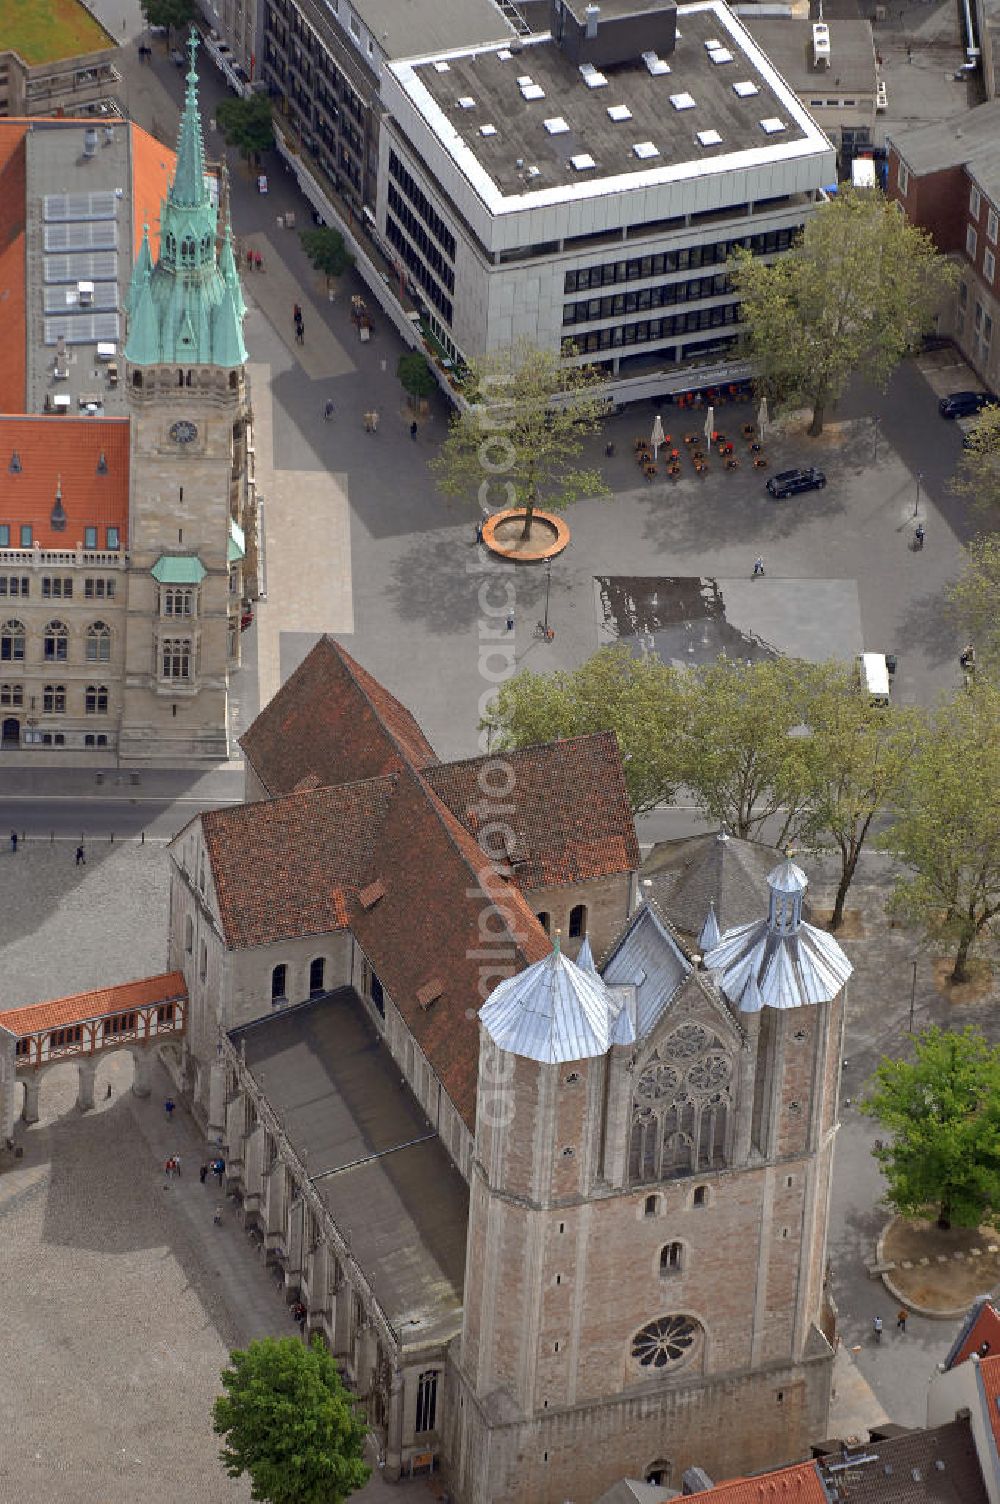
963	404
791	482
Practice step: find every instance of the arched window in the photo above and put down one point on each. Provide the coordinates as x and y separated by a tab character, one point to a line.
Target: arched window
95	699
279	980
700	1197
659	1473
317	972
98	642
427	1387
56	642
671	1258
188	934
652	1206
577	921
54	699
544	920
187	248
12	642
180	378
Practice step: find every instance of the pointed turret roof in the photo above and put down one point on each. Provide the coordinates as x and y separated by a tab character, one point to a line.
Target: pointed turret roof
709	935
780	961
552	1012
585	957
189	307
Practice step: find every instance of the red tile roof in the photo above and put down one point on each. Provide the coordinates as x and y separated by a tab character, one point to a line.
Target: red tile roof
572	818
789	1485
289	866
426	929
982	1326
332	720
65	452
13	187
36	1017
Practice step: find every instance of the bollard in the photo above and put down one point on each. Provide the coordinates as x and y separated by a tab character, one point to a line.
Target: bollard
142	839
112	838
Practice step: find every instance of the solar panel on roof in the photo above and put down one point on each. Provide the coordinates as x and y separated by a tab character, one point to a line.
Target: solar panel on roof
81	328
83	266
101	235
65	299
57	208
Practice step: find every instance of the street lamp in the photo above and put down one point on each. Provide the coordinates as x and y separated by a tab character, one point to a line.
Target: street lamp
548	587
916	504
876	420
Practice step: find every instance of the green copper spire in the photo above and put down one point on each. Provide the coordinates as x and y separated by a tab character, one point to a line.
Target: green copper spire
188	309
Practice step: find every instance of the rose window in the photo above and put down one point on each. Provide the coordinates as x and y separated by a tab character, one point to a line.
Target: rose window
665	1342
657	1081
688	1040
710	1073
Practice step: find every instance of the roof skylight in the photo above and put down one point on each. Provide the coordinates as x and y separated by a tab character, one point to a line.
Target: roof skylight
655	64
467	102
442	67
582	162
745	89
720	55
709	138
682	101
772	125
619	112
645	150
487	130
556	126
532	91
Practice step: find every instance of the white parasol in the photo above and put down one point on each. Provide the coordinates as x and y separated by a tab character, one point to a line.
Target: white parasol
709	425
762	418
657	437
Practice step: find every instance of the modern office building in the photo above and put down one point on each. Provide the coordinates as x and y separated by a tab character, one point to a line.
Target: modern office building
66	68
585	187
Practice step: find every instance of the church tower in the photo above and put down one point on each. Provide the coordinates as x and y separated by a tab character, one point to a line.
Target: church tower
185	364
648	1210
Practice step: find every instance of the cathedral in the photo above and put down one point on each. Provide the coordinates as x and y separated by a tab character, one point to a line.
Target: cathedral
548	1167
127	508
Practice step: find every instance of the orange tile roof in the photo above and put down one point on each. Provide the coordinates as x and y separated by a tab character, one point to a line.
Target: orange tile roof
982	1328
989	1369
153	166
13	183
37	1017
65	451
789	1485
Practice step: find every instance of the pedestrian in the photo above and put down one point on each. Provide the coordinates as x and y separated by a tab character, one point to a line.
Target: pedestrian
510	621
259	260
413	430
328	409
877	1329
300	334
479	531
296	314
909	53
168	1108
203	1174
81	857
967	658
758	565
220	1169
13	841
919	535
217	1216
168	1167
901	1316
374	421
177	1165
368	422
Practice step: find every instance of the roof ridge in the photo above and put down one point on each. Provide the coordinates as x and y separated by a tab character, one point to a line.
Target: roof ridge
72	997
296	793
556	741
351	664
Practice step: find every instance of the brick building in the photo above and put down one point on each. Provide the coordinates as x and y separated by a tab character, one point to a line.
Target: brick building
508	1185
946	177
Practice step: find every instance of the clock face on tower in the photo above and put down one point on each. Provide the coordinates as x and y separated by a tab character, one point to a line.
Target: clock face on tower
184	432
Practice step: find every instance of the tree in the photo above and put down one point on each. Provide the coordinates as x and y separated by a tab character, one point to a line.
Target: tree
973	602
290	1424
742	757
853	757
528	415
857	291
637	698
416	376
168	13
978	474
326	250
246	124
946	826
943	1110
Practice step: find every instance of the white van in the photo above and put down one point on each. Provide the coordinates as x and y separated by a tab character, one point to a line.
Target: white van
873	676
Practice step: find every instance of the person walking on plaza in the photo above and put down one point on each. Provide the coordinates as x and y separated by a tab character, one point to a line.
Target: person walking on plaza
81	857
168	1108
919	535
758	565
413	430
877	1329
13	841
901	1316
203	1174
374	416
368	422
328	409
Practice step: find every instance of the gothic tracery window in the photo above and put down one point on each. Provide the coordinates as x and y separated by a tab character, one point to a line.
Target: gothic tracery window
680	1106
667	1342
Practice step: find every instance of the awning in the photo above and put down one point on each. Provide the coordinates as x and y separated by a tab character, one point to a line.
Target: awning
237	542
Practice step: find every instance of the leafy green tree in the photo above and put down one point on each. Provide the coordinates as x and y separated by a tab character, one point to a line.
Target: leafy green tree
246	124
973	601
853	757
742	744
978	474
168	13
856	292
326	250
943	1110
946	826
290	1424
529	413
637	698
415	376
